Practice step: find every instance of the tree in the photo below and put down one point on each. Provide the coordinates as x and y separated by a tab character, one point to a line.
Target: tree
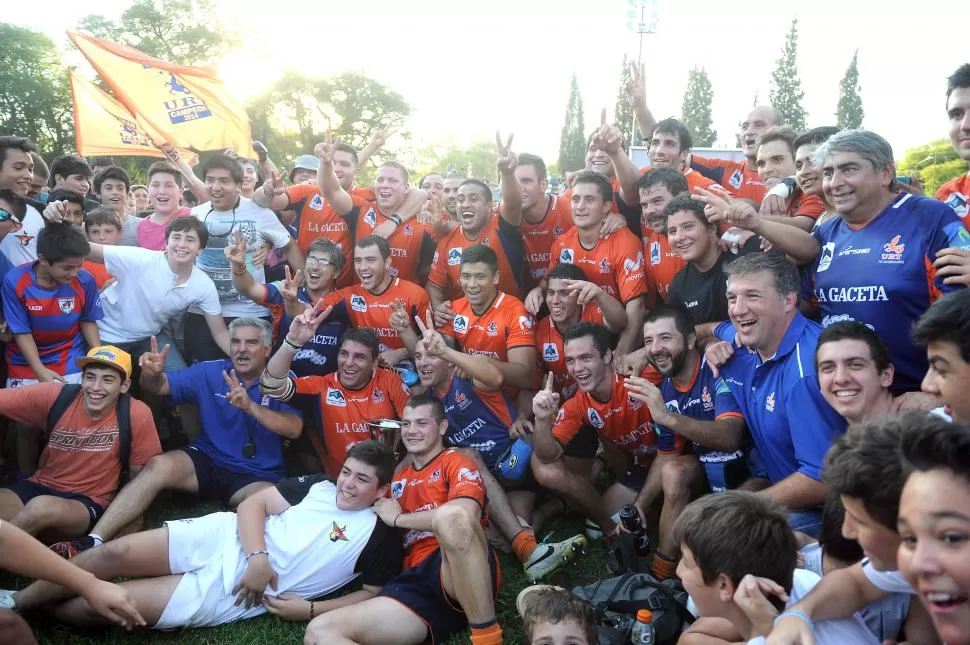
696	110
786	87
849	112
36	98
478	156
185	32
936	162
572	142
623	111
293	114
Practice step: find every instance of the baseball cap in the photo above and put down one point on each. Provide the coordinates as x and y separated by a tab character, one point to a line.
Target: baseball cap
305	162
108	355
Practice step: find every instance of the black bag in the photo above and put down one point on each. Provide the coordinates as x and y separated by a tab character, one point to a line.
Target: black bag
64	400
617	600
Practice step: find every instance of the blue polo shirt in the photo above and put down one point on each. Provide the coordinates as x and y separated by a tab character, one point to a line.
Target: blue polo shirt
791	424
226	429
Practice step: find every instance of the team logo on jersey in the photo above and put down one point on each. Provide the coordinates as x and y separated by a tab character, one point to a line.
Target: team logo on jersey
461	400
377	396
635	404
673	405
770	402
336	398
66	305
468	474
525	321
892	251
825	258
454	257
264	401
24	238
655	253
706	399
631	266
566	255
461	324
339	533
721	387
958	202
370	217
736	179
408	229
557	230
357	303
435	477
550	352
492	329
595	419
605	266
316	203
397	488
560	415
484	241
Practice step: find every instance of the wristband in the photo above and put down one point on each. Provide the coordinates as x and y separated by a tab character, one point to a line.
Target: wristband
239	272
289	343
260	552
396	219
796	614
311	609
394	523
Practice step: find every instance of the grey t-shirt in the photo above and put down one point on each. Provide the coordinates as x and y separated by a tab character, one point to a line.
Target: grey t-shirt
129	231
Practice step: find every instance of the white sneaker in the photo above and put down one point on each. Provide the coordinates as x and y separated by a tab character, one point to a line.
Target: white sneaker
547	558
6	599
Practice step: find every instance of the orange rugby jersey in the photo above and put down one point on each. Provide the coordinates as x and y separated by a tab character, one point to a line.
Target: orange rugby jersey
503	326
662	265
498	235
734	176
622	420
317	218
409	243
956	195
538	238
344	413
450	475
550	352
367	310
615	263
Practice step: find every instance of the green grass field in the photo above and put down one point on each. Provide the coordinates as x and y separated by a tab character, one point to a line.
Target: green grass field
268	630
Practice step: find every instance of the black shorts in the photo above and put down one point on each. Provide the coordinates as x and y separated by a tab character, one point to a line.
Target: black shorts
420	590
217	483
27	490
583	444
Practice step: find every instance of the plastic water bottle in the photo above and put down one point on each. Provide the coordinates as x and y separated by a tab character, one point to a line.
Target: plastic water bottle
643	632
630	518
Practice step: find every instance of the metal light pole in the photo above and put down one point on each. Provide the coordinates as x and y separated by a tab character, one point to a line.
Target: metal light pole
642	19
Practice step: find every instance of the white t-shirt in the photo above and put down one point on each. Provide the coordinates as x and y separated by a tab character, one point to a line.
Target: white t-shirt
21	246
258	224
145	297
891	581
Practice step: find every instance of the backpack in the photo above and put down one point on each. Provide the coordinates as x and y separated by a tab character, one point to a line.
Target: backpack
66	397
617	600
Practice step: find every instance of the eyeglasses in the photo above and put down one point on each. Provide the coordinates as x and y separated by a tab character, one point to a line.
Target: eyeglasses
6	215
324	262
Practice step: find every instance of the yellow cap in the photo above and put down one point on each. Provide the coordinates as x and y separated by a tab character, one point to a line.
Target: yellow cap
644	616
108	355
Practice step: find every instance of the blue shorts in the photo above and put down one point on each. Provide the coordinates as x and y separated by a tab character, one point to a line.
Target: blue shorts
27	490
420	590
217	483
807	521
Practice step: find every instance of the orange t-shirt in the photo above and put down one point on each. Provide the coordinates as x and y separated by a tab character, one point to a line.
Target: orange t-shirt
81	455
319	219
622	420
734	176
344	413
498	235
367	310
550	351
405	242
98	271
505	325
956	195
450	475
662	265
538	238
615	263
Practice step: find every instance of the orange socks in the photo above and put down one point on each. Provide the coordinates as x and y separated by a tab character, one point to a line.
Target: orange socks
524	543
490	634
663	567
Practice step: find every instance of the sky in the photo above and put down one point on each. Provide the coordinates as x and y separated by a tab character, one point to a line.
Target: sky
468	69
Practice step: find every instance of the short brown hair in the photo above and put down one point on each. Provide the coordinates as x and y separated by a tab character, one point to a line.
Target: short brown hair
778	133
737	533
185	224
374	453
556	606
168	169
100	217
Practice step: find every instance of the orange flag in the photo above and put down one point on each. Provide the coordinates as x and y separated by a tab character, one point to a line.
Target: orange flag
188	107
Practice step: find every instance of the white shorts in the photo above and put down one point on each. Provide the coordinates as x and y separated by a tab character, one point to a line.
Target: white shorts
23	382
196	548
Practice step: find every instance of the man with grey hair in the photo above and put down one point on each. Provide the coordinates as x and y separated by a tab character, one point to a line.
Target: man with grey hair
876	260
766	357
239	451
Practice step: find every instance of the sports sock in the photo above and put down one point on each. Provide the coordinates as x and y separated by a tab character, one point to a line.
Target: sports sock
486	634
524	543
663	566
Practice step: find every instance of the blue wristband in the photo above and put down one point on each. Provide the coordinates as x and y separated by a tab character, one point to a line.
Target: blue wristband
797	614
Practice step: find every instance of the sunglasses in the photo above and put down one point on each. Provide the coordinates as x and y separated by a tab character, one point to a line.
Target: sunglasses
7	215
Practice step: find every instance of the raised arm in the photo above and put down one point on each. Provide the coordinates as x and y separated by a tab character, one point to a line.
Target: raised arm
480	369
610	140
636	96
545	405
272	194
510	208
333	192
376	143
152	366
194	183
614	314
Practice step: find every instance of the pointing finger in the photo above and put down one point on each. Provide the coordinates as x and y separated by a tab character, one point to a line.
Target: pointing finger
508	146
549	379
